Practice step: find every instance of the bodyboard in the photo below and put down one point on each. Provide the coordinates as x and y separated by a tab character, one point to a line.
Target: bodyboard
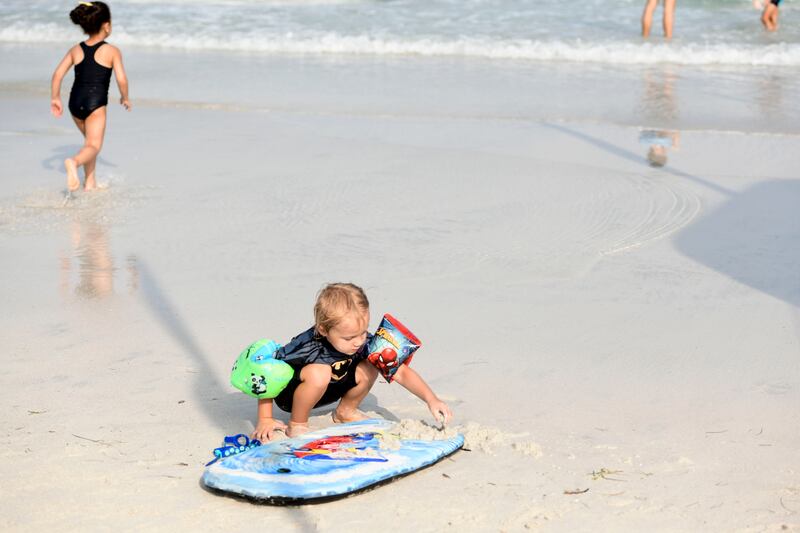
325	464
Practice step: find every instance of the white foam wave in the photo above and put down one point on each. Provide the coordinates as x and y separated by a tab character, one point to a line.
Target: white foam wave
619	52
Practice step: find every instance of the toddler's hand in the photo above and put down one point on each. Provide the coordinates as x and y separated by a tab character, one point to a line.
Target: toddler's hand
265	430
55	107
440	411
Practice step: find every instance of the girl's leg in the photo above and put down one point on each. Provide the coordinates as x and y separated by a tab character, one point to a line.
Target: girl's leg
73	180
314	380
647	17
347	410
90	183
94	128
669	17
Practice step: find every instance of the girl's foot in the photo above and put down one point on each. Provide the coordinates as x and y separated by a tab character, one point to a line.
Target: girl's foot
340	416
73	181
296	429
94	186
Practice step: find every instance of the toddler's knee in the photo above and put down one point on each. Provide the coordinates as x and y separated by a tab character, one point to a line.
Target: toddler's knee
317	376
366	371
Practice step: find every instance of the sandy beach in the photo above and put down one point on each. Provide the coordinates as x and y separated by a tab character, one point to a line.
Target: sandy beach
619	342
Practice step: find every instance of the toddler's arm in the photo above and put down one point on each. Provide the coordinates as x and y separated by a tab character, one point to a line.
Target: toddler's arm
55	84
266	425
413	382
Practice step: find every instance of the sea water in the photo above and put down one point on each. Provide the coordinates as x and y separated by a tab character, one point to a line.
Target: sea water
707	32
535	60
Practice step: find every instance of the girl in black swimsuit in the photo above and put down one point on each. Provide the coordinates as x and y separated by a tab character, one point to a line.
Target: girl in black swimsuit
94	61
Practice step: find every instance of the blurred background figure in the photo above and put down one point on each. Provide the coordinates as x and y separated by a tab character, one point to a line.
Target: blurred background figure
668	17
769	16
658	143
659	112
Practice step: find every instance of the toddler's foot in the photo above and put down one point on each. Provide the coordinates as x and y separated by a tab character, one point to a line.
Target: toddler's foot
340	416
296	429
73	181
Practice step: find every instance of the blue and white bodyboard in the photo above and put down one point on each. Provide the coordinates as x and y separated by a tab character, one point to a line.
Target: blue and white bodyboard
325	464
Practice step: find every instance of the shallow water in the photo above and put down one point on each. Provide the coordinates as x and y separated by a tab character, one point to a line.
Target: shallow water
708	32
734	98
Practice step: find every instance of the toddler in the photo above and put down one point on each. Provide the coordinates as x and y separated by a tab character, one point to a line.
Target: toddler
330	364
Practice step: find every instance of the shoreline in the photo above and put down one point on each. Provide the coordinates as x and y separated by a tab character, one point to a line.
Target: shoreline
665	96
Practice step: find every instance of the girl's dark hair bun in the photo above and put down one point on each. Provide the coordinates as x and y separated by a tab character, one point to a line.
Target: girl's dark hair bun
90	16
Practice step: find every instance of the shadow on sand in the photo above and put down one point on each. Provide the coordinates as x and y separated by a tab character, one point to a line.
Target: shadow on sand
636	158
220	406
753	237
60	153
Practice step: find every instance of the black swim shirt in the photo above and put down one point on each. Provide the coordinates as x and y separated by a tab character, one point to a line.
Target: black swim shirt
309	347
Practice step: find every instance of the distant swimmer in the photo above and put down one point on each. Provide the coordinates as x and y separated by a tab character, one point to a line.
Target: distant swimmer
94	61
669	17
769	17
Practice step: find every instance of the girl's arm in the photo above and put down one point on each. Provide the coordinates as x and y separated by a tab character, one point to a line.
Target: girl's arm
55	84
266	425
122	79
413	382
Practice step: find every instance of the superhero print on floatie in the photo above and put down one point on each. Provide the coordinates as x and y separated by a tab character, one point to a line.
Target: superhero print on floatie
391	346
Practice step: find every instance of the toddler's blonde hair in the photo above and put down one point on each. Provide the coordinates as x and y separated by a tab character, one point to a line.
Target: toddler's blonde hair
334	302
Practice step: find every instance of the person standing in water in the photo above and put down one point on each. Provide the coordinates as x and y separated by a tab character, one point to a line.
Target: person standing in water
669	17
769	16
94	61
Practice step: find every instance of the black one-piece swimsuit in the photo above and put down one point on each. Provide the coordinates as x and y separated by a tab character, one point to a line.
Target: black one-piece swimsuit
90	89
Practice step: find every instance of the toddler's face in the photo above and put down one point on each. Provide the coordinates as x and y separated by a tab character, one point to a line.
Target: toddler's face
350	333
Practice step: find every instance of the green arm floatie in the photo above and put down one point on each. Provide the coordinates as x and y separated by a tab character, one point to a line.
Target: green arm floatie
257	373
